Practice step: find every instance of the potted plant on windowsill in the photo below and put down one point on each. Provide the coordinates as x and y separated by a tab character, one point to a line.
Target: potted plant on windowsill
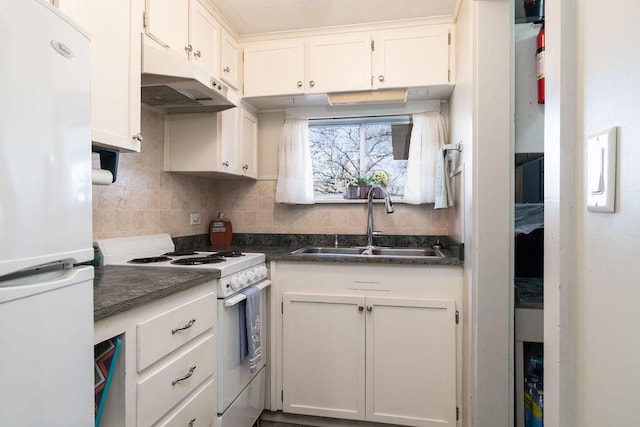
359	187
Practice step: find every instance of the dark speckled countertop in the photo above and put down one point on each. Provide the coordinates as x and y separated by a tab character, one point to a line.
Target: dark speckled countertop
120	288
274	253
278	247
529	292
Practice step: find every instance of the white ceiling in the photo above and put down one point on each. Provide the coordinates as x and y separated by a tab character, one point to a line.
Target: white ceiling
263	16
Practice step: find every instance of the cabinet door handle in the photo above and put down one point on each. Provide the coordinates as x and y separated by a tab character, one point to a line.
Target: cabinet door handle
299	83
138	136
225	164
360	308
197	53
369	308
188	48
177	380
245	167
187	326
226	69
312	83
192	421
381	77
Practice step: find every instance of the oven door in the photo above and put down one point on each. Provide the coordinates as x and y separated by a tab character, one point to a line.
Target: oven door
234	375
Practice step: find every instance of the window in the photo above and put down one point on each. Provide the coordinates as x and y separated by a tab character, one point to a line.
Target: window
351	151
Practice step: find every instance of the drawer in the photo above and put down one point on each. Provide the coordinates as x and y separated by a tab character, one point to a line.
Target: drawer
163	388
168	330
196	411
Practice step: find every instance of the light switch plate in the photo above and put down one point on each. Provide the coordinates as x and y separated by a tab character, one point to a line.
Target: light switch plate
601	171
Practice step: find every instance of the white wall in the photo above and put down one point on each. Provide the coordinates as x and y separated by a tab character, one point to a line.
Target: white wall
607	287
461	120
491	231
481	116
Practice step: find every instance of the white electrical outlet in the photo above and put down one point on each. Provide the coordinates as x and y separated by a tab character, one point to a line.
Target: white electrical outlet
194	219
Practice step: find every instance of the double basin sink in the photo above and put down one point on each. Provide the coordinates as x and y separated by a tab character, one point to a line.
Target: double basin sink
376	251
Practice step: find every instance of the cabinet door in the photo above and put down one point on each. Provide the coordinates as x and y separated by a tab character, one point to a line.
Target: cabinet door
115	68
274	68
323	355
416	56
339	63
229	60
411	361
167	22
204	38
249	148
229	141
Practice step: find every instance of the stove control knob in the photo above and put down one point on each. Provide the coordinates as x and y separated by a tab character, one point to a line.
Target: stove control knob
243	279
262	271
251	275
235	283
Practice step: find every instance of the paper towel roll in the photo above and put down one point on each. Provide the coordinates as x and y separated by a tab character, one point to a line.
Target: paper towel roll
101	177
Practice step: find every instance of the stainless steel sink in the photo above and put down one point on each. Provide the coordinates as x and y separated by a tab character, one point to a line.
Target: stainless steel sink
316	250
374	252
407	252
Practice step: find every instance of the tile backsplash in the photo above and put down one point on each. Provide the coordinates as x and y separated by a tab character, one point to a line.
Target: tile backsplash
146	200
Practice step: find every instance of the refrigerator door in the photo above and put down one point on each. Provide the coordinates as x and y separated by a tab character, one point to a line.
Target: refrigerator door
46	349
45	138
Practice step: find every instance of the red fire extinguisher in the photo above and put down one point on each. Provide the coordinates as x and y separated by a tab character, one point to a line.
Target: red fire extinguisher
540	64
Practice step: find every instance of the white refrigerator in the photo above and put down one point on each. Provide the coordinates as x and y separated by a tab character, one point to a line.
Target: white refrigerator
46	300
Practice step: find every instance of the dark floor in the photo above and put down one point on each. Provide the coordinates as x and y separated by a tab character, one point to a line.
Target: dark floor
273	424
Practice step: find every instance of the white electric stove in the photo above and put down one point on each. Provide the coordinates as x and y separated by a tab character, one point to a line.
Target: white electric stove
241	393
238	270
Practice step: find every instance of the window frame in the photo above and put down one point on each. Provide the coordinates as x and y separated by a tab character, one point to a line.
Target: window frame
387	119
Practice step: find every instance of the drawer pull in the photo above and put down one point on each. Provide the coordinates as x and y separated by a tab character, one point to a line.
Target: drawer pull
187	326
177	380
192	421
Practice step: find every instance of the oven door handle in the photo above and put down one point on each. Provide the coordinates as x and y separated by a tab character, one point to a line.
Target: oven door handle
229	302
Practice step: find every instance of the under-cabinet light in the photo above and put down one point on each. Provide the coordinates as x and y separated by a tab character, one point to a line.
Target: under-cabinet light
368	97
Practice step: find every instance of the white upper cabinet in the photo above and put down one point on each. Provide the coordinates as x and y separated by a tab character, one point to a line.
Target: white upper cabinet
218	144
249	143
417	56
115	69
167	22
188	28
229	144
401	57
339	63
204	34
274	67
229	59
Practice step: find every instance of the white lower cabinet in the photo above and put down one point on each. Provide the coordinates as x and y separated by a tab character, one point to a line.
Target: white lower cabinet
167	385
390	360
411	361
195	411
324	355
368	342
165	375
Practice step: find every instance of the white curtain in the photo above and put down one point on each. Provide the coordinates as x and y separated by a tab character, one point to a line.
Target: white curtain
428	135
295	173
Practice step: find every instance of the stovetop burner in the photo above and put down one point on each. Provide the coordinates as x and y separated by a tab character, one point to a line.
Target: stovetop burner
148	260
182	252
230	254
199	260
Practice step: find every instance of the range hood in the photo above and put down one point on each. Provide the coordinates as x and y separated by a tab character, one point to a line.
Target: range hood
171	83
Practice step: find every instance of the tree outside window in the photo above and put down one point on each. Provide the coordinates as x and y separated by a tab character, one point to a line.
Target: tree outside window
351	152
